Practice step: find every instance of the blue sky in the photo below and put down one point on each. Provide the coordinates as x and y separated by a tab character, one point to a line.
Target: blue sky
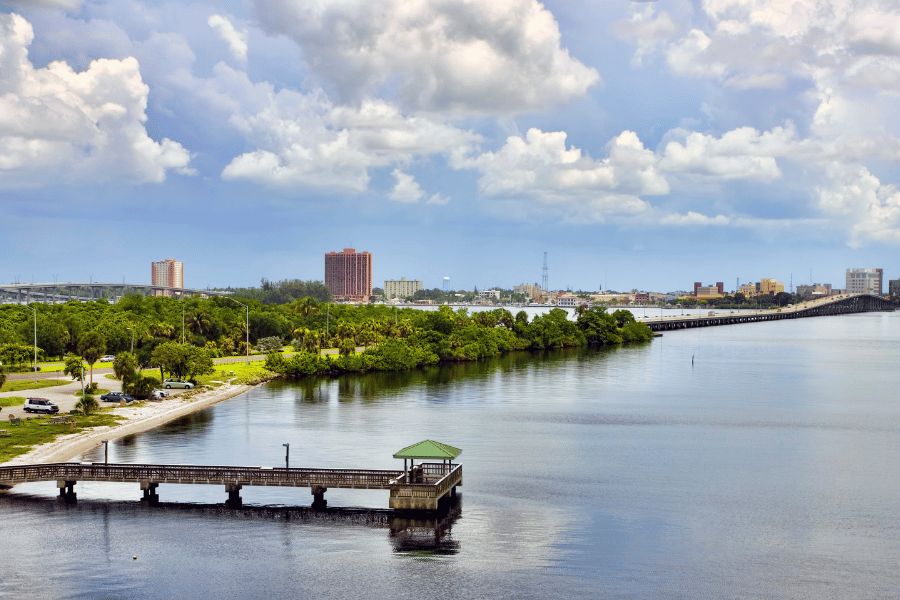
641	145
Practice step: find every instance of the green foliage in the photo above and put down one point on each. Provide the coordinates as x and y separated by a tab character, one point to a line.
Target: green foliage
13	354
125	365
2	379
74	367
87	405
182	360
269	344
142	386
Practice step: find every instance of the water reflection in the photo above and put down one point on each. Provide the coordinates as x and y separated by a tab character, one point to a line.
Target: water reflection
408	532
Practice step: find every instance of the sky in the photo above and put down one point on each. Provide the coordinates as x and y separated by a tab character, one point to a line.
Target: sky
641	145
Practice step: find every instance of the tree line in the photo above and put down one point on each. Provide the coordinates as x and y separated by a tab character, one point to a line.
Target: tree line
148	327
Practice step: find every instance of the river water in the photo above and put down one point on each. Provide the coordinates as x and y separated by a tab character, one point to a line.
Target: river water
745	461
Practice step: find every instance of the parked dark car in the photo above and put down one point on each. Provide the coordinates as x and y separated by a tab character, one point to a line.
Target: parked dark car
117	397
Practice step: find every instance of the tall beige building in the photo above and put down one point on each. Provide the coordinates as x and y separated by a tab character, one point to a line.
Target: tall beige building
402	288
166	273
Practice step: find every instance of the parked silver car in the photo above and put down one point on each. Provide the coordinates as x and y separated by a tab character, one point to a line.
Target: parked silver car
177	383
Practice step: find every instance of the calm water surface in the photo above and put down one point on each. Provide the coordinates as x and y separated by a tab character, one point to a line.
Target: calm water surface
748	461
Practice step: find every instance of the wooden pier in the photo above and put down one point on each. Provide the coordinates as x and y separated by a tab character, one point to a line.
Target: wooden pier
420	487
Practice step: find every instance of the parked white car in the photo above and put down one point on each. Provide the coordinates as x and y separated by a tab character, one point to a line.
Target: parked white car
159	394
40	405
108	358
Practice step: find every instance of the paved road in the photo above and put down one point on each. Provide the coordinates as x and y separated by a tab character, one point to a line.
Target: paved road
64	396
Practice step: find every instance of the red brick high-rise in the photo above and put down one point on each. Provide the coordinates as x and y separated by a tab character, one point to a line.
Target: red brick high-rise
348	275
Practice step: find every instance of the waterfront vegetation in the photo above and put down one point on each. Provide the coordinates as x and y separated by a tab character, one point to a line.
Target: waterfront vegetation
392	338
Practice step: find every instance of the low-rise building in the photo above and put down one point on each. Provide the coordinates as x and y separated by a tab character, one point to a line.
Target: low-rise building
894	287
815	290
770	286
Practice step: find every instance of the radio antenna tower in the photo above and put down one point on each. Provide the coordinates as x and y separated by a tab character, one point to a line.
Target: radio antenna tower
544	280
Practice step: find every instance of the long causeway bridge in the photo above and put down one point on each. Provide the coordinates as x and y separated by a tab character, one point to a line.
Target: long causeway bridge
831	305
419	487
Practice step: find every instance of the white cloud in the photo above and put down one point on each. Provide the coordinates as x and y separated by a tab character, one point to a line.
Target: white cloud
869	207
57	124
447	55
66	4
237	40
743	153
693	219
303	139
406	189
542	167
438	199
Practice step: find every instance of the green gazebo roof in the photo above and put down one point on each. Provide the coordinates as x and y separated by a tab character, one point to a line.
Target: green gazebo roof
429	449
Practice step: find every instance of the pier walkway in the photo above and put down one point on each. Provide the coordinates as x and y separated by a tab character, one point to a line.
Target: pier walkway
418	487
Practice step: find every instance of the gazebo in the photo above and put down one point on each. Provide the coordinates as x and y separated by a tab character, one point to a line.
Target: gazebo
421	487
428	450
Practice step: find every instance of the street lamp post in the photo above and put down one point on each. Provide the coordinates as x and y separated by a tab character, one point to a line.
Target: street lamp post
132	339
287	454
105	451
34	310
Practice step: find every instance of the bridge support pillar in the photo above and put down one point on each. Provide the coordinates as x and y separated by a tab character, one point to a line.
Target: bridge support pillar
151	498
67	493
234	495
318	493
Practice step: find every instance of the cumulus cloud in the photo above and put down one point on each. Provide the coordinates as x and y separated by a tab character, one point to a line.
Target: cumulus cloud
694	219
406	189
743	153
303	139
237	40
58	123
871	208
443	55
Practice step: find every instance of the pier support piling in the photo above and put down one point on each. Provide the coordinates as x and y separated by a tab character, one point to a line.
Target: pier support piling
150	498
67	493
234	495
318	493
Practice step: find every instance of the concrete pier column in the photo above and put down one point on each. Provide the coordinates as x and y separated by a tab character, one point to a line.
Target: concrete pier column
67	493
318	493
150	498
234	495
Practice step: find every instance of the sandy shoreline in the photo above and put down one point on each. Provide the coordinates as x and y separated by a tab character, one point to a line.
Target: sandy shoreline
139	418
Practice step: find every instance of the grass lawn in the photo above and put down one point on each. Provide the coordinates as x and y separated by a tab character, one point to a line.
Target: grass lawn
12	401
29	432
242	371
17	386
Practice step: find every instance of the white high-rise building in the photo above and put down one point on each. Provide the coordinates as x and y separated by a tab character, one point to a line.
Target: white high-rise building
864	281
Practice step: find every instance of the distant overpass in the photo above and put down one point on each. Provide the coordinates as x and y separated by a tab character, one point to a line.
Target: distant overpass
841	304
25	293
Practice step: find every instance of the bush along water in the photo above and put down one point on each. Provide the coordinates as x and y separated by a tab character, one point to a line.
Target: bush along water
445	336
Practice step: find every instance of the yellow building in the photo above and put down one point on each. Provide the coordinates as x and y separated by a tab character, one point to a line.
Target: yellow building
770	286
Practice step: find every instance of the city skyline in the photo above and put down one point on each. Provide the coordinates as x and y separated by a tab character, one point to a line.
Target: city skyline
642	145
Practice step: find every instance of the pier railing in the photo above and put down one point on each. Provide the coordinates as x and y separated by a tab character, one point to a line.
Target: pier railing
213	475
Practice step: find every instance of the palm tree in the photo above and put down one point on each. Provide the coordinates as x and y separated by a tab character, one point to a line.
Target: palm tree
91	346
